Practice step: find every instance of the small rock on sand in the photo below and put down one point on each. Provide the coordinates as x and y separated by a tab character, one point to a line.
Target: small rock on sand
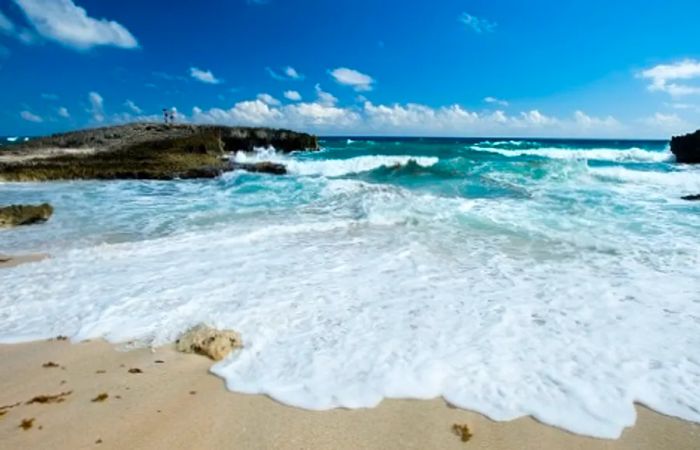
204	340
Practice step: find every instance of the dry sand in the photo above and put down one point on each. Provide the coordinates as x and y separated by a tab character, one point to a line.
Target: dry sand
177	404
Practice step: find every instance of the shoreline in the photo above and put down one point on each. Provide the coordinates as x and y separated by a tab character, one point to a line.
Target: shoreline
173	401
8	261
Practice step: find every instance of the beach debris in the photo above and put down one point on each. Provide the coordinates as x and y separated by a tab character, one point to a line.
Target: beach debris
60	337
98	441
100	398
462	430
193	392
204	340
26	424
48	399
6	407
135	370
50	364
100	371
2	413
159	361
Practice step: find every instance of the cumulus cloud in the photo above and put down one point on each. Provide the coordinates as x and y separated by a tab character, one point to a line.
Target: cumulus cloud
268	99
477	24
30	117
325	98
96	107
65	22
133	107
666	123
324	115
205	76
350	77
63	112
673	78
292	95
495	101
288	73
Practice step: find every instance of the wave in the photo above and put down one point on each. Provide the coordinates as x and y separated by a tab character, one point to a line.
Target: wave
509	144
335	167
603	154
687	180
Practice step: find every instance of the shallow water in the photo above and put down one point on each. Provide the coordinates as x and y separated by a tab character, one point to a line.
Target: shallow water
551	278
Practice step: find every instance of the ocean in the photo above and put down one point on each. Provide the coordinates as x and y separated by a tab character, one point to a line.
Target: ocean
552	278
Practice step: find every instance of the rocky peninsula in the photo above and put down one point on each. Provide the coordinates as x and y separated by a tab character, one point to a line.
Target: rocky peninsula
145	151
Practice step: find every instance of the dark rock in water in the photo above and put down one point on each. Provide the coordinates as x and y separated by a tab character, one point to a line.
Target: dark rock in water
695	197
142	151
687	148
15	215
262	167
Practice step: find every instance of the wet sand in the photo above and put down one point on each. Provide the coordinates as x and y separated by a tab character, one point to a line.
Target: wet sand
7	261
173	402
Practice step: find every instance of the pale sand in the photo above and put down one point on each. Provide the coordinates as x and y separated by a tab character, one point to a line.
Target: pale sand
7	261
179	405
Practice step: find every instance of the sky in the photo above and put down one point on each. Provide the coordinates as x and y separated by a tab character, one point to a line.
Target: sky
536	68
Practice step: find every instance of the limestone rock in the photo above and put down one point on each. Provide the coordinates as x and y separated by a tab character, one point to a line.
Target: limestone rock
204	340
687	148
15	215
143	151
262	167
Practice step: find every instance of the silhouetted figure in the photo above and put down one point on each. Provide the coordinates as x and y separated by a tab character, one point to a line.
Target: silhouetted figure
166	116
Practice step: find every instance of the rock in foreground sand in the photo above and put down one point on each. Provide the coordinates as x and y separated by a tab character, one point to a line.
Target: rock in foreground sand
204	340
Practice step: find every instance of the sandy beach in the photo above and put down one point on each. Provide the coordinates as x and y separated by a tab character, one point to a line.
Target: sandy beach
161	399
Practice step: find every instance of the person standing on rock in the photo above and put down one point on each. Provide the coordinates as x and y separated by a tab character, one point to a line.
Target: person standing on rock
165	116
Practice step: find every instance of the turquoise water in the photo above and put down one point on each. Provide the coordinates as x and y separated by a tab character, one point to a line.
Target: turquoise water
553	278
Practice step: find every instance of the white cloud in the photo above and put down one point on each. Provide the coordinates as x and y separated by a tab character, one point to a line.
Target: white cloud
268	99
496	101
63	112
96	107
292	95
666	123
325	98
324	115
288	73
64	22
30	117
478	25
292	73
586	121
350	77
664	77
133	107
205	76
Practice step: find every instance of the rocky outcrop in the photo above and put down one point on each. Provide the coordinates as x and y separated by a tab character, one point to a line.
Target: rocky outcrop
695	197
261	167
16	215
204	340
143	151
687	148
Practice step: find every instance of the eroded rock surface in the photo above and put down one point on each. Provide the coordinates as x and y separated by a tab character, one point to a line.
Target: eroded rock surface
204	340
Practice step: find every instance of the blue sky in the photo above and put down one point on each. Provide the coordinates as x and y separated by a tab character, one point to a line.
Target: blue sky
458	68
